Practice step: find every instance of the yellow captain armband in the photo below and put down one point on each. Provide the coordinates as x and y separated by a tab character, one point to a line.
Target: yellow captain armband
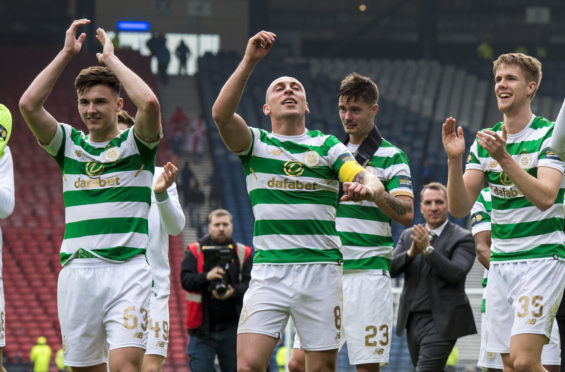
349	170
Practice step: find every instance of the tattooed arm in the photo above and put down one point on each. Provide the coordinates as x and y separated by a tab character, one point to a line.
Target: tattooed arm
365	186
398	208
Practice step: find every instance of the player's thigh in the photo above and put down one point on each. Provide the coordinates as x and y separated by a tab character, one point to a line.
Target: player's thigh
82	292
158	327
153	363
551	352
367	316
125	359
127	317
525	349
267	302
320	360
254	351
317	306
498	313
536	291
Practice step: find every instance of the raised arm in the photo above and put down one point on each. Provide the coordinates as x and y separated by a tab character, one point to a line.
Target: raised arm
39	120
542	190
462	189
148	117
232	127
170	210
558	139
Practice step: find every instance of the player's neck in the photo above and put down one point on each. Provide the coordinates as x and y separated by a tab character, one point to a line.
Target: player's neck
515	121
289	126
103	136
358	138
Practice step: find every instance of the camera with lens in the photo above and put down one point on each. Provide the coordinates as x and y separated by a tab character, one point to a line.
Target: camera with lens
218	255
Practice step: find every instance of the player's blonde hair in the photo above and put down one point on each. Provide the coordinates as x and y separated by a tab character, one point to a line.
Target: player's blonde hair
531	66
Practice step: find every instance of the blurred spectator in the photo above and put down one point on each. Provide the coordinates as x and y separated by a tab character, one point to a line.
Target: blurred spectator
60	362
153	44
281	356
216	198
196	138
163	59
452	360
183	54
40	355
178	123
186	177
521	49
485	50
426	172
116	40
195	200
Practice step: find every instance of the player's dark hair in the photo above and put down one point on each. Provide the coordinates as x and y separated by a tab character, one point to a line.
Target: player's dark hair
97	75
355	86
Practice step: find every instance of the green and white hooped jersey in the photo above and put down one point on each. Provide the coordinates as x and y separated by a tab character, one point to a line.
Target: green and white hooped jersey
480	221
521	231
364	230
293	186
480	213
107	194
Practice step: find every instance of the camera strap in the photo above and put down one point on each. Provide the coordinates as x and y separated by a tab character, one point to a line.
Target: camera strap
239	250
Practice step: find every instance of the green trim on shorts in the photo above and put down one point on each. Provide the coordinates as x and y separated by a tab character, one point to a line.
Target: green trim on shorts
367	263
541	251
297	255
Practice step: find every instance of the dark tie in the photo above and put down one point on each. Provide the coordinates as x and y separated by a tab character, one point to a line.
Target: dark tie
433	237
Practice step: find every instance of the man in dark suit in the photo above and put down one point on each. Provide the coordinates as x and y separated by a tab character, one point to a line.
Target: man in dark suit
435	259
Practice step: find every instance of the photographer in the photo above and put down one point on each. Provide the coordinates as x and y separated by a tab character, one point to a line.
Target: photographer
216	272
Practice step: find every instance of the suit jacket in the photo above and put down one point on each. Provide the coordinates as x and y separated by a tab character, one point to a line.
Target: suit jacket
448	265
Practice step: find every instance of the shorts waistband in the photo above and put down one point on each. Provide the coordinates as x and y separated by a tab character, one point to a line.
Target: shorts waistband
100	263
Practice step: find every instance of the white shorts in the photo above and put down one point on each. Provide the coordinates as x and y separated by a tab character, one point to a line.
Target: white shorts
367	315
550	354
2	315
309	293
522	297
158	329
102	306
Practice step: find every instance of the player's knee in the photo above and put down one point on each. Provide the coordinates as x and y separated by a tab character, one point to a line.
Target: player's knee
126	367
295	366
248	366
524	364
151	367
